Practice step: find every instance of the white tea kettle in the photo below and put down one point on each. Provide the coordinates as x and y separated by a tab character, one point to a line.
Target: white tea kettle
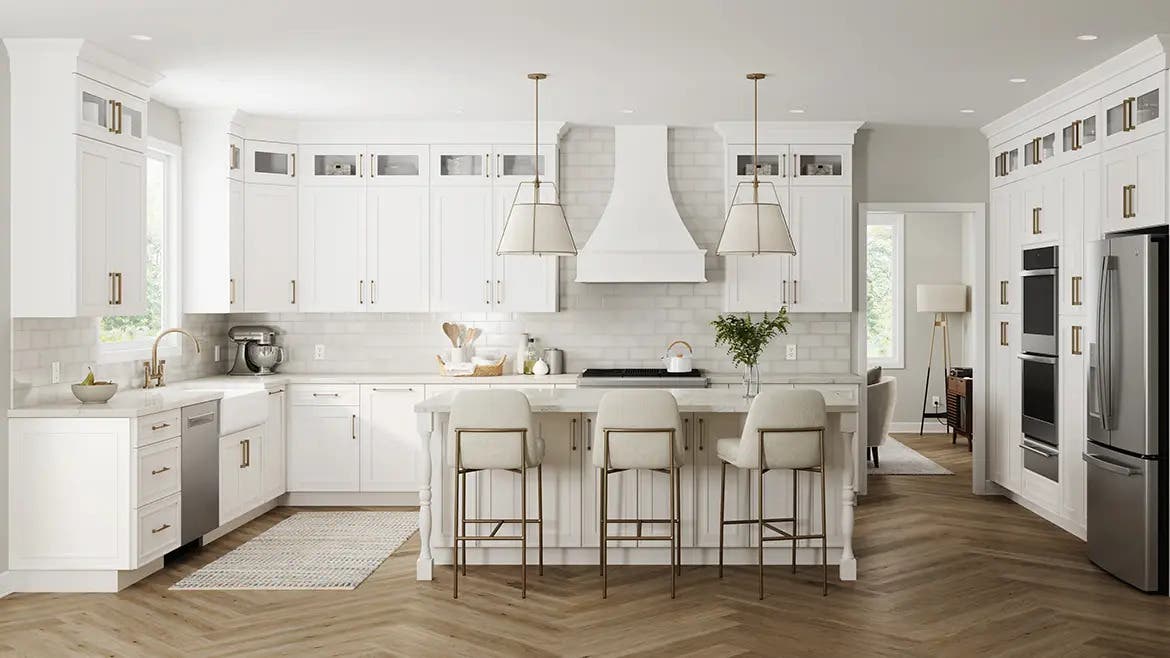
677	361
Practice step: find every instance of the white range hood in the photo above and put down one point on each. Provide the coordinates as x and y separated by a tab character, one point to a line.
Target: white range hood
641	237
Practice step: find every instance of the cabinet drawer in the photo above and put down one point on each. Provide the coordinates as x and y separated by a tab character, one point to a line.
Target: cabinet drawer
323	395
159	427
833	393
158	471
158	528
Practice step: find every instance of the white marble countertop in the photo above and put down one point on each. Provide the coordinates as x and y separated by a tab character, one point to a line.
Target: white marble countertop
703	400
131	403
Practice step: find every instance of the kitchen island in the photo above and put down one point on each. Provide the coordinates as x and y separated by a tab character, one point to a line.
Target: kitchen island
565	420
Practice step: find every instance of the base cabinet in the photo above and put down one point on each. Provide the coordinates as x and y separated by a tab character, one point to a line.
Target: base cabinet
273	474
388	441
241	456
323	447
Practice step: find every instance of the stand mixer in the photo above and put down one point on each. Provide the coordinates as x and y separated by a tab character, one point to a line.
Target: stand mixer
256	350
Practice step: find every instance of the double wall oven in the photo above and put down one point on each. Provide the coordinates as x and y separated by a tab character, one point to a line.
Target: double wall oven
1040	371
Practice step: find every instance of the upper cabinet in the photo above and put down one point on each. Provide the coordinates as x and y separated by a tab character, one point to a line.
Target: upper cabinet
822	164
1005	164
461	165
110	115
1078	134
515	164
398	165
77	236
1136	111
270	162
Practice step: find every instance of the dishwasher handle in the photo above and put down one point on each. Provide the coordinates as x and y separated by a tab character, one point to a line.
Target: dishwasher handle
201	419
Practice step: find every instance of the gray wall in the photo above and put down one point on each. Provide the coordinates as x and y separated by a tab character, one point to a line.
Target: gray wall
5	315
162	122
932	248
919	164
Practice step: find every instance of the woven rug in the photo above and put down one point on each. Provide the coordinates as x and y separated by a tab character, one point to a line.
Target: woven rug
309	551
897	458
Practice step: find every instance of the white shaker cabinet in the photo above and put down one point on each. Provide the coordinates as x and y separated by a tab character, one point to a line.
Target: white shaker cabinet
1135	184
270	233
241	456
1007	209
460	235
274	163
273	476
323	447
820	276
111	190
524	284
397	245
1135	112
235	246
1006	458
1042	218
1073	403
331	268
708	429
1081	205
110	115
388	440
759	283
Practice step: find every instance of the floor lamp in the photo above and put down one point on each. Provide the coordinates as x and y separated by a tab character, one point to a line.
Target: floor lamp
939	299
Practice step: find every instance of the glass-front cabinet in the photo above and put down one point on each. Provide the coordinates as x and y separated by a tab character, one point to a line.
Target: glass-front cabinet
1135	111
518	163
770	161
461	165
1041	148
821	164
109	115
270	162
398	165
1079	132
1005	164
333	164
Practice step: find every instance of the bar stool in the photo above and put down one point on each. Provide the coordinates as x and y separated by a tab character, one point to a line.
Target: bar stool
788	428
639	430
492	430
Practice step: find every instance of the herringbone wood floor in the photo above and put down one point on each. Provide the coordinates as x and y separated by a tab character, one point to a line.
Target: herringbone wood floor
943	573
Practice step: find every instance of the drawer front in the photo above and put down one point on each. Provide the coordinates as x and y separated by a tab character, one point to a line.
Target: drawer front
159	427
159	471
323	395
158	528
834	393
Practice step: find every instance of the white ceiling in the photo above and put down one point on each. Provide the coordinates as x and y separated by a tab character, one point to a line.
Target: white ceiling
673	61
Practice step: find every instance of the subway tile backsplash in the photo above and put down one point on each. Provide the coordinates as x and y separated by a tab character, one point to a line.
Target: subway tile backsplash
599	325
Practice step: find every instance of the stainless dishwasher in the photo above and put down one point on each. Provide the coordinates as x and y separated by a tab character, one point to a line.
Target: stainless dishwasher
200	470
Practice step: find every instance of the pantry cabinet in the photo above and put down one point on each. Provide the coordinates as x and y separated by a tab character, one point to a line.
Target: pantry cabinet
1074	374
1080	185
111	189
1135	184
270	235
1005	459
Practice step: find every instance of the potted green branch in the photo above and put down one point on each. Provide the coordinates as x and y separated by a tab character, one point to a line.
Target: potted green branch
746	340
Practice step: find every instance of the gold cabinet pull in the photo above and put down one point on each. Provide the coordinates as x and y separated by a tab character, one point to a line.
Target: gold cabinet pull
702	432
373	290
1035	221
293	168
1127	114
353	426
110	275
158	426
118	288
573	434
1076	291
1076	339
110	125
686	434
233	157
159	471
1003	334
487	165
361	165
119	117
231	291
243	454
499	291
588	433
1003	293
1127	210
487	292
361	291
795	288
159	529
293	282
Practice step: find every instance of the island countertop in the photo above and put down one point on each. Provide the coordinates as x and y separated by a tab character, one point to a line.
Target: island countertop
699	400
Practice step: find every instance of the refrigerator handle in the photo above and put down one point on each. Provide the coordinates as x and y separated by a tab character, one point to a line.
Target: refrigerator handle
1120	469
1105	347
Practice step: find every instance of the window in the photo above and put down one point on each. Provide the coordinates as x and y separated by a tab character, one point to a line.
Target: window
125	337
884	289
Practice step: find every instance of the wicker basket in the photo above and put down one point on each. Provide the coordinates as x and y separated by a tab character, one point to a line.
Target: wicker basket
490	370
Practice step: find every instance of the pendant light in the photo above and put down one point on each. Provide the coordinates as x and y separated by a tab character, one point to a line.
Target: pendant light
756	227
535	227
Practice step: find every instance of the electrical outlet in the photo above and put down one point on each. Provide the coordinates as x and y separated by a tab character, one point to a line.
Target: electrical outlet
790	352
216	351
56	372
935	401
318	352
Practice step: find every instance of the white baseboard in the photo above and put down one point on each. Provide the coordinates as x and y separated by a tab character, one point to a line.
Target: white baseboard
81	580
348	499
7	583
239	521
1064	523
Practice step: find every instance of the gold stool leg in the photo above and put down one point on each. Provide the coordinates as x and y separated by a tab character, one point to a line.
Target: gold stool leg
540	513
760	525
673	529
524	529
463	523
722	504
455	538
794	522
604	532
678	519
824	527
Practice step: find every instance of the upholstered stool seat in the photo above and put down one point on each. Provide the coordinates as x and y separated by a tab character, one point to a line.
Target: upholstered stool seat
492	430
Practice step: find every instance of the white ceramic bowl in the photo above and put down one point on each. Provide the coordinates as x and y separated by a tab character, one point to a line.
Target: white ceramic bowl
95	394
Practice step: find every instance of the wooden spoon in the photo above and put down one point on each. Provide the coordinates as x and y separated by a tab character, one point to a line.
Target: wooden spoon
470	334
452	331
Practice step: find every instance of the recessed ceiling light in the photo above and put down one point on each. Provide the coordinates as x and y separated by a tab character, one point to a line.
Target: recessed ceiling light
967	110
796	110
141	37
627	111
1086	37
1017	81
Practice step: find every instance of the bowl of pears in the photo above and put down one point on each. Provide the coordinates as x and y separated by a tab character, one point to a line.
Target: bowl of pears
92	391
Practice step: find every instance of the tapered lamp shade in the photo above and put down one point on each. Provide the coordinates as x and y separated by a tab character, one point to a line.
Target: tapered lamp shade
537	229
755	228
942	298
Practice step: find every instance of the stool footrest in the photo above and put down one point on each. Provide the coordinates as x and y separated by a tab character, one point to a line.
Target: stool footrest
638	537
641	521
488	537
787	519
788	537
501	520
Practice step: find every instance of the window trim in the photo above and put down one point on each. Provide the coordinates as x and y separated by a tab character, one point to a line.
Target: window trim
898	341
170	347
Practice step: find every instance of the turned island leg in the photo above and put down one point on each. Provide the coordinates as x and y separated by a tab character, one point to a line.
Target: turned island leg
425	565
848	565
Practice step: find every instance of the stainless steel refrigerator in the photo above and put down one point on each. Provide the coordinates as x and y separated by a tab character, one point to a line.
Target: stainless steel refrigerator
1126	452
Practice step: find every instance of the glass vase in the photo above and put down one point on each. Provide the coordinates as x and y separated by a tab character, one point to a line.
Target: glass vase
751	381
